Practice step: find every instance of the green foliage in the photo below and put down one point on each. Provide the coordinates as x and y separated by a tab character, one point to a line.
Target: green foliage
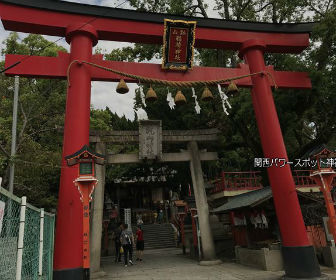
40	113
306	117
40	121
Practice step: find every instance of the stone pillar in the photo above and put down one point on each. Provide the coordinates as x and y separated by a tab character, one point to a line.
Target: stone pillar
97	213
208	247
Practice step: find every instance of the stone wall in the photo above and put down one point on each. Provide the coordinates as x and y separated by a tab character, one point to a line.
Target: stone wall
266	259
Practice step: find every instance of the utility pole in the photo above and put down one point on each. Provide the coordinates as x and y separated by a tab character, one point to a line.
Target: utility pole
14	124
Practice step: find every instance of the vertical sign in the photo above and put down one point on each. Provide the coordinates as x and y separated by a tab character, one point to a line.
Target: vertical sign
178	44
2	213
150	139
128	218
86	236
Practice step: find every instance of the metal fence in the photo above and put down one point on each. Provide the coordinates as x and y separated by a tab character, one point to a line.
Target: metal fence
26	239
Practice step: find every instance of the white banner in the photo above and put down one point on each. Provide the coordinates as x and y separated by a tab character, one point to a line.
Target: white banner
2	213
128	216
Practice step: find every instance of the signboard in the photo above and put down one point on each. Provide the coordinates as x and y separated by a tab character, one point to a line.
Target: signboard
150	139
85	168
178	44
2	213
128	217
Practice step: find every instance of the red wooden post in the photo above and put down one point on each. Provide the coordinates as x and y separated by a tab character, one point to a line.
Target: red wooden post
86	228
106	224
324	179
193	212
298	255
182	215
68	262
85	189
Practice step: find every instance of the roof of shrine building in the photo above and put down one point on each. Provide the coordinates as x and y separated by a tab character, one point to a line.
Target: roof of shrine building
124	14
320	149
249	199
254	198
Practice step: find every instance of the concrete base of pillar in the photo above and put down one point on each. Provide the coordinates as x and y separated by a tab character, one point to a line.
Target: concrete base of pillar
98	274
300	262
322	277
329	256
209	263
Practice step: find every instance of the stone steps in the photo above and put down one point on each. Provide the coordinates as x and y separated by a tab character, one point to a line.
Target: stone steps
159	236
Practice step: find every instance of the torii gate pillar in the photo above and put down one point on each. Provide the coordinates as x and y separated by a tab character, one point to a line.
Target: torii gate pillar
208	245
298	254
68	263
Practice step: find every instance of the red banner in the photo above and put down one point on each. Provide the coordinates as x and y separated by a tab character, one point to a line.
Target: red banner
178	43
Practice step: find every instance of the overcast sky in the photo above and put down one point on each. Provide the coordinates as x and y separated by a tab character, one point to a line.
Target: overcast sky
103	93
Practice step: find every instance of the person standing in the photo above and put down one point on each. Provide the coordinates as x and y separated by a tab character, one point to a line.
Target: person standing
155	217
127	241
139	219
117	233
160	218
140	244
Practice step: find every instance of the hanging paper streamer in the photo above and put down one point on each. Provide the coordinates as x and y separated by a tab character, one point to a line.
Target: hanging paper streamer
142	95
197	106
170	100
224	98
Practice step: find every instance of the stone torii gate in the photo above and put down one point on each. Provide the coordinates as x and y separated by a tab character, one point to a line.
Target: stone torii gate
84	25
150	132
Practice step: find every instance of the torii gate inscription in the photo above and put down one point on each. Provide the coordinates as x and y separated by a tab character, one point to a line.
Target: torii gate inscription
84	25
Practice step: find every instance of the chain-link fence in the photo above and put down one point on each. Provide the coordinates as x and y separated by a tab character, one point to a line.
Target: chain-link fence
26	240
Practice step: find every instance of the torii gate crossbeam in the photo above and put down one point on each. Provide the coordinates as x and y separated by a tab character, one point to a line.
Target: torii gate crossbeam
84	25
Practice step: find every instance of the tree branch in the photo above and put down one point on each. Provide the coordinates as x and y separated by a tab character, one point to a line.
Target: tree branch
274	12
193	8
4	151
315	10
244	6
264	7
201	7
226	9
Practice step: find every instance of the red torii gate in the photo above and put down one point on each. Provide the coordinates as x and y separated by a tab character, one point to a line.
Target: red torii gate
84	25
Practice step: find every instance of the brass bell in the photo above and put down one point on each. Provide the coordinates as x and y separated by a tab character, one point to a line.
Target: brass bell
151	95
180	99
206	95
232	88
122	88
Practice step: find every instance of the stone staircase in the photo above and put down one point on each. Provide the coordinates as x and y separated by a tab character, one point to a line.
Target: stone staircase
158	236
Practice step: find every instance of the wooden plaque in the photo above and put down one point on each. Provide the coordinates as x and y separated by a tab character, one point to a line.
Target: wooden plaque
178	44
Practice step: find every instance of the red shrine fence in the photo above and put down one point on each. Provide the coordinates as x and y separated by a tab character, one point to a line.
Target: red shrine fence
251	180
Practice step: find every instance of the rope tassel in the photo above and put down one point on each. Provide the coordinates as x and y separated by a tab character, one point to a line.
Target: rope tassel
142	95
224	98
197	106
170	99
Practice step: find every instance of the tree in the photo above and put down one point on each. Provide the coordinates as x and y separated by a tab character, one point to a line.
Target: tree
41	110
40	119
302	114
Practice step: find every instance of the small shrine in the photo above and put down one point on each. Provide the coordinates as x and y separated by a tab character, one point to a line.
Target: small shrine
323	174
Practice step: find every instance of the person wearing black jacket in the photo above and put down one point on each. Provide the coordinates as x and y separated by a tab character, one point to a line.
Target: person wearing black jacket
117	243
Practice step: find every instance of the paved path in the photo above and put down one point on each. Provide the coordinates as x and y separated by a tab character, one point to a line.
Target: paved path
171	264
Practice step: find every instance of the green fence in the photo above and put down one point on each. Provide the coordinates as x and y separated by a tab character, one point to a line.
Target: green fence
26	240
